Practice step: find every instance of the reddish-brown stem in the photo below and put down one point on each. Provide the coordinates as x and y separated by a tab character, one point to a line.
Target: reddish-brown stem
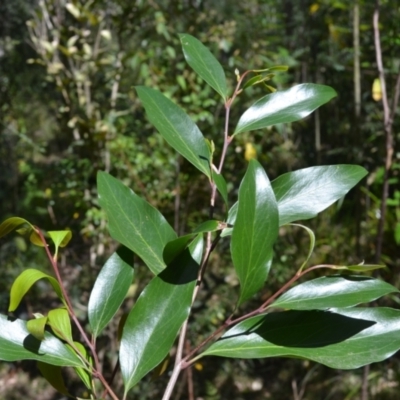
96	372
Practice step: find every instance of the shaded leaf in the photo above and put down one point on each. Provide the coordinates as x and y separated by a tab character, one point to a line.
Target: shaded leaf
161	309
25	281
304	193
109	290
16	343
333	291
255	230
221	186
284	106
176	128
204	64
133	222
53	375
345	339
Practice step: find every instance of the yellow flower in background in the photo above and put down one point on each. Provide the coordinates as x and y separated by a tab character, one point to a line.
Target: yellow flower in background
250	151
377	90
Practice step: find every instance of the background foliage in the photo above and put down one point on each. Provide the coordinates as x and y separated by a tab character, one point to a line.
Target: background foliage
68	109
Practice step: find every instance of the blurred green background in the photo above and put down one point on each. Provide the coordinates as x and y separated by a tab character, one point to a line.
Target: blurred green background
68	108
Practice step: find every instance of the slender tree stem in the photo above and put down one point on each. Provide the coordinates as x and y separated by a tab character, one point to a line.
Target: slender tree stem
96	372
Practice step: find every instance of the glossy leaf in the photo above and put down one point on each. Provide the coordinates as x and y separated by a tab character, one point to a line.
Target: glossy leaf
176	128
16	343
60	323
284	106
133	222
344	339
333	291
304	193
204	64
109	290
255	230
157	316
53	375
25	281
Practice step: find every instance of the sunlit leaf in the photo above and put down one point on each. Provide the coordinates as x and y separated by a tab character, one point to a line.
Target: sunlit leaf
133	222
24	282
255	230
304	193
333	291
60	323
204	64
176	128
16	343
109	290
284	106
343	338
154	322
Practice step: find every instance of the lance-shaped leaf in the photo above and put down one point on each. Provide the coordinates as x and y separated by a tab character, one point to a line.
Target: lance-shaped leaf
158	314
110	289
12	223
204	64
333	291
284	106
221	186
60	323
344	339
255	230
16	343
304	193
53	375
25	281
176	127
133	222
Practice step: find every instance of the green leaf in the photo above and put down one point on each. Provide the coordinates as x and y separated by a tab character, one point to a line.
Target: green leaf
344	339
133	222
53	375
204	64
208	226
60	239
12	223
221	186
311	247
333	291
364	267
158	314
16	343
304	193
60	323
255	230
232	214
24	282
36	327
284	106
110	289
83	373
176	127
